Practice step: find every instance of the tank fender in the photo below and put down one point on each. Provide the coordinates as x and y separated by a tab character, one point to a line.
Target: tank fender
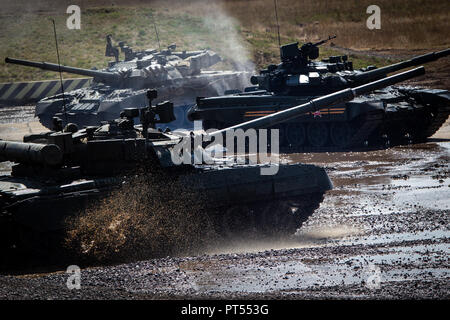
47	107
430	96
356	109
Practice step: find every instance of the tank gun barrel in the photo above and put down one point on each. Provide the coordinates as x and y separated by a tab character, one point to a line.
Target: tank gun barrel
415	61
101	75
33	153
322	102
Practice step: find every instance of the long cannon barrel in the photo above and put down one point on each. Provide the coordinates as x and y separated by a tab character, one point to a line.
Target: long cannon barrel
415	61
101	75
33	153
322	102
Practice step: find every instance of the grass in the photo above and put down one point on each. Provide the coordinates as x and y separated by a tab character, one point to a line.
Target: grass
241	31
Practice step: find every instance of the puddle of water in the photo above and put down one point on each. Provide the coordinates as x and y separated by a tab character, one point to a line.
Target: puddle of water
405	263
425	198
341	235
444	145
420	190
385	156
421	182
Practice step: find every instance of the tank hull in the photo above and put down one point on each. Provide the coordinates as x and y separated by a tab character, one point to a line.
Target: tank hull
393	115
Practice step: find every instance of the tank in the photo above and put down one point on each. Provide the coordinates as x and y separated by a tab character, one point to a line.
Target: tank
56	174
389	116
178	75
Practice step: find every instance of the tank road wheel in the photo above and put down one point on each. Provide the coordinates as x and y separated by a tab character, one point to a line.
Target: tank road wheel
340	134
237	221
295	134
304	206
209	124
317	134
283	218
277	219
46	121
271	219
282	135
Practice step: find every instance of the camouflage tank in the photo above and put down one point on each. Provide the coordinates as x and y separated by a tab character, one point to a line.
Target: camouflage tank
389	116
177	75
58	173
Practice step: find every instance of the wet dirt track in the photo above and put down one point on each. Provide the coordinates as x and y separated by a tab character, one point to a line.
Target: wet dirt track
383	232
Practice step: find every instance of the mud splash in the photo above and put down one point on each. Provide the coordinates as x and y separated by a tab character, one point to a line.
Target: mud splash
152	215
324	233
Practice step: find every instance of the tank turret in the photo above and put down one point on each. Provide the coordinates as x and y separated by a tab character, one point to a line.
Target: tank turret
290	53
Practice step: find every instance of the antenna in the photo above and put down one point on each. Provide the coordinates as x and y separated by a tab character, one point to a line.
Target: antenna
59	69
156	31
278	25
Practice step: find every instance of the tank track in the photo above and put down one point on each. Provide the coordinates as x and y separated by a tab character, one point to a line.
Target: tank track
26	247
266	219
437	104
263	220
358	142
424	114
411	118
